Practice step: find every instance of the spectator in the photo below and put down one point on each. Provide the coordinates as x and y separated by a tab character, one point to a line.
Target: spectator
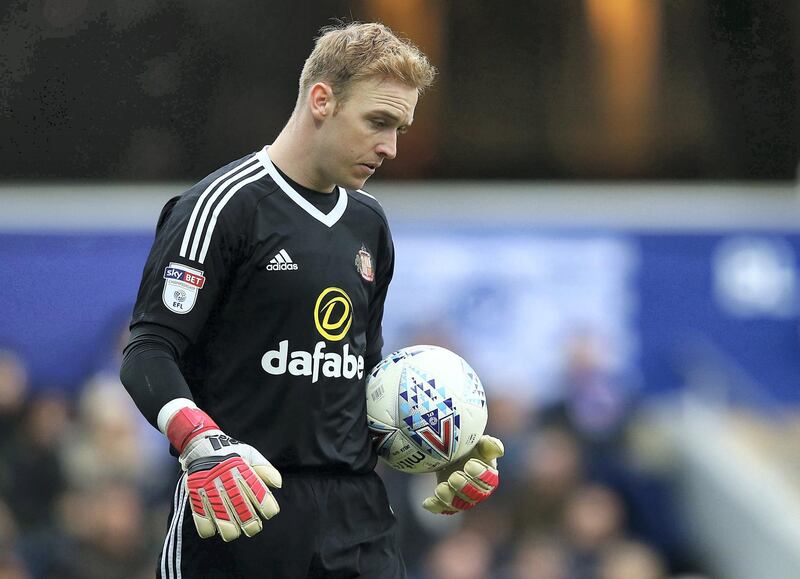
552	471
511	421
593	519
11	564
11	567
13	389
112	442
596	401
539	557
107	533
461	555
34	479
8	526
631	560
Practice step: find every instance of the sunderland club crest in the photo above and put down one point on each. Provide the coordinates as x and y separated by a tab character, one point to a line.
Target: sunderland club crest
364	264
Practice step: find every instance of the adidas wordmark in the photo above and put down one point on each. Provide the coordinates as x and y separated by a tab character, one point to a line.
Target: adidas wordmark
281	262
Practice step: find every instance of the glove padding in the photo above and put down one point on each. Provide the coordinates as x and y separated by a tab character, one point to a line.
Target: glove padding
226	484
469	481
225	479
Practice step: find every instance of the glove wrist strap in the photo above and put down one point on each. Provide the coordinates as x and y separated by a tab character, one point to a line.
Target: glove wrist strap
186	424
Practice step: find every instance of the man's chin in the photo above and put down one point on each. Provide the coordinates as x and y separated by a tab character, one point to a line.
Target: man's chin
356	183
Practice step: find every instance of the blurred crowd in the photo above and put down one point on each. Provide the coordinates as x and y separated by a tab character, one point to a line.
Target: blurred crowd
583	493
85	487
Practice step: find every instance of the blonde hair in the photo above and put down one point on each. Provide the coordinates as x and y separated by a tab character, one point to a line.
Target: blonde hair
347	53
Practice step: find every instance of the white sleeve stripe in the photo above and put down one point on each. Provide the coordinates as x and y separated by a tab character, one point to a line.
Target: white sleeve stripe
190	226
195	212
207	210
220	206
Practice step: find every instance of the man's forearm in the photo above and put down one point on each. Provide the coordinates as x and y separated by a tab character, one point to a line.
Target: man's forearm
151	375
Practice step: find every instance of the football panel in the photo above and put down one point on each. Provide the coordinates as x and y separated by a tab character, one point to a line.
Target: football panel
382	391
436	400
405	456
473	423
426	412
381	435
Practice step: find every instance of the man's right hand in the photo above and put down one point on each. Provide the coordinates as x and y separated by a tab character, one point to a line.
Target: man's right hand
226	479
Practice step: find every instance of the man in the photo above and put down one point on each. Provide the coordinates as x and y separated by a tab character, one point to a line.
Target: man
258	316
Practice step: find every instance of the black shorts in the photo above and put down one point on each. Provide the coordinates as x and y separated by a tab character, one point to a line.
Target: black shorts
331	526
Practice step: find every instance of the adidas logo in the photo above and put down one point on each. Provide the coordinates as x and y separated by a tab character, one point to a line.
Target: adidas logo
281	262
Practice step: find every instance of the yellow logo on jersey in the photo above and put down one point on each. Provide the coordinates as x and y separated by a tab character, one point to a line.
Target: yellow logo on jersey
333	314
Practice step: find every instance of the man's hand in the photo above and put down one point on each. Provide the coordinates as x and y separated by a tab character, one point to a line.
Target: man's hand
469	481
225	478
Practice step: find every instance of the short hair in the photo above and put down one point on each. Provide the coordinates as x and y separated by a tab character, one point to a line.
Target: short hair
346	53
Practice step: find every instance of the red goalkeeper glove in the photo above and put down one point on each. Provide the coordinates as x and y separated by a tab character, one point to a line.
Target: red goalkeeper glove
468	481
226	479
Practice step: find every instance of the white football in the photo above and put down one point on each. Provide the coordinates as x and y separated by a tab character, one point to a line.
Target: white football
425	407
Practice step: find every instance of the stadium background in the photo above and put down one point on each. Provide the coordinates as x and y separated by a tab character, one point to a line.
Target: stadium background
597	206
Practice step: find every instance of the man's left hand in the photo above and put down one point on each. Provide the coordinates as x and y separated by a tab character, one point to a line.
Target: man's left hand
469	481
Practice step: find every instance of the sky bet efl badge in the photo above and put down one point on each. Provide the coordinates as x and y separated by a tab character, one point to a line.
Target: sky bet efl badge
181	287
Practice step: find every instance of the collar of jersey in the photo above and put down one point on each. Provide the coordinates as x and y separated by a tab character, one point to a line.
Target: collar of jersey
328	219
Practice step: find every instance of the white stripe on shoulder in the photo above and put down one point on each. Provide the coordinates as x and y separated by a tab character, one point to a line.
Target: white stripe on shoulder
199	234
219	182
367	194
213	222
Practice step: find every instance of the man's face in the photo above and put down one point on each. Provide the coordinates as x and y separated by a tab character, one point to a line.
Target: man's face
363	131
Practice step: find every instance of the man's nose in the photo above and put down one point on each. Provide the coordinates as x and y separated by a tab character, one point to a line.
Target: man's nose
388	147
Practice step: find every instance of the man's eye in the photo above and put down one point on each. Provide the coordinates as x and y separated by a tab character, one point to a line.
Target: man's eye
378	123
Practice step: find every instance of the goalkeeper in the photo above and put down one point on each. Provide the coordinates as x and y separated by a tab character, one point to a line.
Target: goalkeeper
259	312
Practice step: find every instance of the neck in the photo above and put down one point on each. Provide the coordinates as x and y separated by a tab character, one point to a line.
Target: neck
290	152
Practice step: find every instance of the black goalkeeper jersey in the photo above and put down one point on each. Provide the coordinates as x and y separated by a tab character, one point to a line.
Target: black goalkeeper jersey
281	304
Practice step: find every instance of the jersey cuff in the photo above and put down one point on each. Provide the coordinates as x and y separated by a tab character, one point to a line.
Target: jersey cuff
169	409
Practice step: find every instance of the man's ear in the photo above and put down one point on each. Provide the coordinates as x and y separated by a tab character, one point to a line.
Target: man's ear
321	101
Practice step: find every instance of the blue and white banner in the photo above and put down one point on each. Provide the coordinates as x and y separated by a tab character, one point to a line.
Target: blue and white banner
670	308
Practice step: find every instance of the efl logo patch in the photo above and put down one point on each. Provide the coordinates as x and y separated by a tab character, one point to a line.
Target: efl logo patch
181	285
